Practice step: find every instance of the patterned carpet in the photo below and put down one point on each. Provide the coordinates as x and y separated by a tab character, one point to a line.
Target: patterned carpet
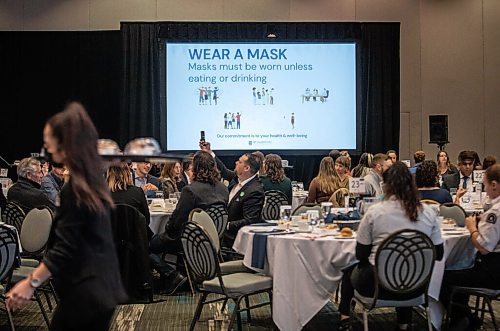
176	312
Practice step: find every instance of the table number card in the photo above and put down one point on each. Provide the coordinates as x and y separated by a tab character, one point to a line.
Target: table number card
357	185
478	176
3	172
407	162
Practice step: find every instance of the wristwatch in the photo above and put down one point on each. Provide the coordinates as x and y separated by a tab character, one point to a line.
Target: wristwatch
35	282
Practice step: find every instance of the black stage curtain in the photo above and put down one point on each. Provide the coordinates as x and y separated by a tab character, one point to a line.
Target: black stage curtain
143	113
42	71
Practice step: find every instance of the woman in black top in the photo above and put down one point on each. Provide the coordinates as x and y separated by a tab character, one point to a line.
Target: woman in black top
81	255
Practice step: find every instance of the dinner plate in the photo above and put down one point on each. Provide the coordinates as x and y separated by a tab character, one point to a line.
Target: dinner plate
342	237
455	233
272	221
265	230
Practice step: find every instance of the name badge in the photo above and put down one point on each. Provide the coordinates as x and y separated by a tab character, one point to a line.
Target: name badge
478	175
357	185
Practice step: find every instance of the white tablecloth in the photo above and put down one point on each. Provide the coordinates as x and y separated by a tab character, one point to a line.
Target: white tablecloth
307	272
158	220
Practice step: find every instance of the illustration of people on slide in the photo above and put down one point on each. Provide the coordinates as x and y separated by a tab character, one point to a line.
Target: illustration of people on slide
233	120
229	121
238	118
225	120
207	94
292	120
315	95
262	96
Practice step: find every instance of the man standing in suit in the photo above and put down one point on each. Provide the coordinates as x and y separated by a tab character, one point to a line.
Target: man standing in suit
461	180
246	193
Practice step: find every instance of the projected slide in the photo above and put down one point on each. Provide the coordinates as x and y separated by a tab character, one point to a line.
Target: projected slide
257	96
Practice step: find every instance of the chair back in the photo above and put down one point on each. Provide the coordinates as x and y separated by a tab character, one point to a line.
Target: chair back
338	197
131	240
429	202
13	215
35	230
200	253
453	211
219	215
303	208
202	218
8	251
272	203
404	262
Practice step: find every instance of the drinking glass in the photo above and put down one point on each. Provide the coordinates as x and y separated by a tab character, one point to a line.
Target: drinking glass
178	195
300	186
172	197
159	194
326	208
285	212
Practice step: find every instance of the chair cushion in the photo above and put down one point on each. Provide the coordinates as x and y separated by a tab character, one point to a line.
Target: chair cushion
21	273
232	267
487	292
239	284
367	301
25	262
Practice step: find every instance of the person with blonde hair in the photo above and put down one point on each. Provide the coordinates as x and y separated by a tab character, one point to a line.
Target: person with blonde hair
325	183
119	180
170	176
274	177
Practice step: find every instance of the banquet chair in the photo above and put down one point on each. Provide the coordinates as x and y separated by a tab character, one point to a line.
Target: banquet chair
203	219
487	296
9	250
13	215
429	202
338	197
130	235
272	203
453	211
403	267
201	256
219	215
303	208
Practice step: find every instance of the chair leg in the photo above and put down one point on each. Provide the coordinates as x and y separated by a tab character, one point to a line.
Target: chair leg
270	293
428	314
188	275
40	304
198	310
47	298
52	288
492	313
365	320
9	317
236	313
247	303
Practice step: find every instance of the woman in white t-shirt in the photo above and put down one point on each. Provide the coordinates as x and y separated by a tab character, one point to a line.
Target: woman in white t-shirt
400	210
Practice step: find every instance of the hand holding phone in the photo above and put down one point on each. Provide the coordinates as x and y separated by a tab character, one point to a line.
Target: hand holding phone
202	136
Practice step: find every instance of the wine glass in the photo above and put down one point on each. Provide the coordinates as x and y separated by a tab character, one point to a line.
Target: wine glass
285	212
326	208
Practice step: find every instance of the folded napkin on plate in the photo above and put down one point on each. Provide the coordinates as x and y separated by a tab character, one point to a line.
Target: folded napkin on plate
350	216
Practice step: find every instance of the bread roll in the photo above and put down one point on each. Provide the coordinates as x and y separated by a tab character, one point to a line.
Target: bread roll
346	232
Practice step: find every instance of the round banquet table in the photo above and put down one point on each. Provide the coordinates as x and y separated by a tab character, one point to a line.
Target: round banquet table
307	269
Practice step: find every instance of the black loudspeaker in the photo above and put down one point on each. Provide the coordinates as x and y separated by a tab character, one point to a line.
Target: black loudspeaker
438	129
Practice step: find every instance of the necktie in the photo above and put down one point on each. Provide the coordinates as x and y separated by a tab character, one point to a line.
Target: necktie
464	185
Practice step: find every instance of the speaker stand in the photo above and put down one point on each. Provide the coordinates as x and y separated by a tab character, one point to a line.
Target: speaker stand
441	145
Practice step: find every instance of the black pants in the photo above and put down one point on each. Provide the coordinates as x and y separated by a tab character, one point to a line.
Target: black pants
163	244
485	273
100	322
360	277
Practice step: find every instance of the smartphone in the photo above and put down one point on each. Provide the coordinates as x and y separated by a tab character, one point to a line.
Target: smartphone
202	136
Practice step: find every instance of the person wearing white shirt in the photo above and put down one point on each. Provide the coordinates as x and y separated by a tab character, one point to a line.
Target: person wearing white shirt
485	236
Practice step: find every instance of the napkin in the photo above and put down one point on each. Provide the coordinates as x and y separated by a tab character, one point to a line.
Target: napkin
259	250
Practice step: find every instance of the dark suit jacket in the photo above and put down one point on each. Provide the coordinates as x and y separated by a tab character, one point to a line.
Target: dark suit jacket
451	181
183	182
195	195
134	196
245	208
81	256
28	195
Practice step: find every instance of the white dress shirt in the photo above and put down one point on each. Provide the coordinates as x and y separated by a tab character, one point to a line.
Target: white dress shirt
238	187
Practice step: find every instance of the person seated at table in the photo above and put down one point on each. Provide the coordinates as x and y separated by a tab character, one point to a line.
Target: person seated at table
204	191
488	161
53	182
334	154
463	178
170	176
418	158
393	155
274	177
426	179
364	166
445	167
477	161
380	164
141	178
187	172
400	210
485	236
325	183
119	180
26	192
261	158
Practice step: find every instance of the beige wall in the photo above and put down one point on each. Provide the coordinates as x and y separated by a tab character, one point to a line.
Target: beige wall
450	49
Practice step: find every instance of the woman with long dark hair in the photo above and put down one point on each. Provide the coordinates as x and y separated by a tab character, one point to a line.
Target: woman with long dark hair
364	166
400	210
274	177
426	179
81	256
170	177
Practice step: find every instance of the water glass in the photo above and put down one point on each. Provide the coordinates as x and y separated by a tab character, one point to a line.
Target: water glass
300	186
285	212
326	208
172	197
159	194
